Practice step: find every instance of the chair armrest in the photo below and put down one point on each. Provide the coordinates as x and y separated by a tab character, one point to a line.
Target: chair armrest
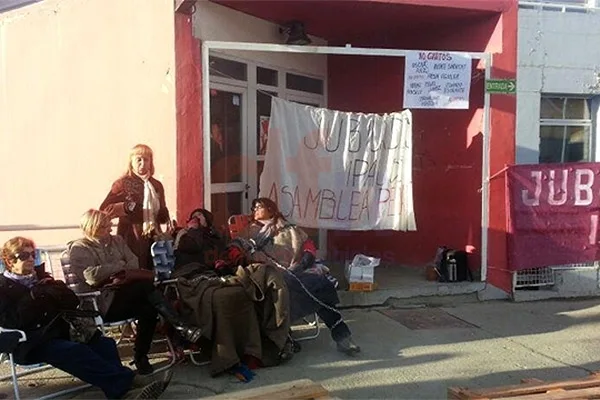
166	282
23	336
88	294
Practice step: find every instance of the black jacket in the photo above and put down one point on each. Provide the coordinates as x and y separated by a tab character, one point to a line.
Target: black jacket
201	245
34	311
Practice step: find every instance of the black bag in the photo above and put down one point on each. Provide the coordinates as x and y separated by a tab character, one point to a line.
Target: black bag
82	326
452	265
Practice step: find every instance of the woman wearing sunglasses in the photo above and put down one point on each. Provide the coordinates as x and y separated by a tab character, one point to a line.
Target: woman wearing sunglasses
270	238
99	260
30	300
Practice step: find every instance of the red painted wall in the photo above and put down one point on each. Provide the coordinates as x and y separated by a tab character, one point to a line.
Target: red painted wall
447	143
190	187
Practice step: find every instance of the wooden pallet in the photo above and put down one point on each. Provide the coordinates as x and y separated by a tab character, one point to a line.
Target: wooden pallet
302	389
535	389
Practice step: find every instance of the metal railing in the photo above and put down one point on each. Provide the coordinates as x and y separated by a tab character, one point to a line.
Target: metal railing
562	6
33	227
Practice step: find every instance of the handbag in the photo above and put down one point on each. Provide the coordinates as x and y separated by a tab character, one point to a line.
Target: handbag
128	276
82	326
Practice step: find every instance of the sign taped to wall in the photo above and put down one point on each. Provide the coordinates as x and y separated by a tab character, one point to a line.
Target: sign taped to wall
434	79
340	170
553	214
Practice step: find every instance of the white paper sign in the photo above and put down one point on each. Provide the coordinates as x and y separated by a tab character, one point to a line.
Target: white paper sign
434	79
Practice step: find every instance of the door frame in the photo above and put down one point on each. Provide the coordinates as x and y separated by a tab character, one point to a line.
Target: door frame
241	186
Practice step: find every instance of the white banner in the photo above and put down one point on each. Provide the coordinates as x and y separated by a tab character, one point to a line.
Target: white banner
434	79
340	170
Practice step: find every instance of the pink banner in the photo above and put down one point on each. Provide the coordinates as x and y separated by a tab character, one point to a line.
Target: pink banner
553	214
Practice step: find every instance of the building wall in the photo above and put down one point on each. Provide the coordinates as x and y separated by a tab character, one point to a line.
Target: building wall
447	148
215	22
558	54
81	82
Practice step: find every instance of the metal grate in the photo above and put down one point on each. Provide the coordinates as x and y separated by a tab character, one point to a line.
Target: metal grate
534	277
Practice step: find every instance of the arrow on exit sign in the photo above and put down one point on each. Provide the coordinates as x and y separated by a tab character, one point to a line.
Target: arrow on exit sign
506	86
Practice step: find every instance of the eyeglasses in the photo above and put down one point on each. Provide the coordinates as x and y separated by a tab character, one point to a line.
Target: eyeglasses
257	207
25	255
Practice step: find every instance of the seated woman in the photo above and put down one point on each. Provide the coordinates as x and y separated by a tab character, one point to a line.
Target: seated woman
33	302
199	243
270	238
223	304
105	263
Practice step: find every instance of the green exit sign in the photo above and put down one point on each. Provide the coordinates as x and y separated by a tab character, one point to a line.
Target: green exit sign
506	86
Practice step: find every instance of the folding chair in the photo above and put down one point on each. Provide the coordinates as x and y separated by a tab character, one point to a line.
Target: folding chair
236	224
89	295
10	338
163	258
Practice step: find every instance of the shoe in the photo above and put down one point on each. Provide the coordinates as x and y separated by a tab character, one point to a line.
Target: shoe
153	390
348	346
287	353
143	366
148	387
189	333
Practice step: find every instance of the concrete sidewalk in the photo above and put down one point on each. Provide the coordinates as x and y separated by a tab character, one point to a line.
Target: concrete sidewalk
473	345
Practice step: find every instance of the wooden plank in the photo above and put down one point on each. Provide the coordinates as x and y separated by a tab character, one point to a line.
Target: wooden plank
531	380
457	393
533	388
588	393
302	389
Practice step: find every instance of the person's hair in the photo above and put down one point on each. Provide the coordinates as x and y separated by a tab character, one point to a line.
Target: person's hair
91	221
12	247
270	205
142	150
208	216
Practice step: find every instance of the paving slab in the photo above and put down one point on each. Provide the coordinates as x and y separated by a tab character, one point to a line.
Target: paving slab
499	343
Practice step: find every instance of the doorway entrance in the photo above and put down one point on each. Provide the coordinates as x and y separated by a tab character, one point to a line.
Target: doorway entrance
240	109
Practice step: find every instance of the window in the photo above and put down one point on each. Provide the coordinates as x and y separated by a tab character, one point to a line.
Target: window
565	129
228	68
304	83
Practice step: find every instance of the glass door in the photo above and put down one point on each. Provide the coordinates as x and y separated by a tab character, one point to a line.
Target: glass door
228	149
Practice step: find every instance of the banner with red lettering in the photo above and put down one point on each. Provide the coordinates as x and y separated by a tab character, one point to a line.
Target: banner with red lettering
553	214
340	170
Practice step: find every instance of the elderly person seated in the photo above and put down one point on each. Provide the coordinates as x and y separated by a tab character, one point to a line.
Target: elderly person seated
32	301
104	262
269	238
200	244
226	303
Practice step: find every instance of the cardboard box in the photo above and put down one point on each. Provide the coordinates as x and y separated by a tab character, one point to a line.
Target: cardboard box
360	272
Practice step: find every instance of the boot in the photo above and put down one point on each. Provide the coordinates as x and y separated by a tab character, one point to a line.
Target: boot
190	333
347	345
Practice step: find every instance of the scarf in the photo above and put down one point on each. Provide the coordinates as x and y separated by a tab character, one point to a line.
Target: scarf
151	205
269	228
28	281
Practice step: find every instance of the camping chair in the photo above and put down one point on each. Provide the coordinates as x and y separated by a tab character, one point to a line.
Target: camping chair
237	223
10	338
163	258
89	297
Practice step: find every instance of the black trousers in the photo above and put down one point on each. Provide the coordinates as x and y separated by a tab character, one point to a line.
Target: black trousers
301	304
132	301
97	363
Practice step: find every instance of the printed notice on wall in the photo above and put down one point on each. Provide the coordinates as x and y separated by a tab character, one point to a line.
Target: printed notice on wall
434	79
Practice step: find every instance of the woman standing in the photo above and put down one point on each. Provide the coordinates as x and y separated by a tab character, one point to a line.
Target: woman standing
100	260
271	239
138	201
